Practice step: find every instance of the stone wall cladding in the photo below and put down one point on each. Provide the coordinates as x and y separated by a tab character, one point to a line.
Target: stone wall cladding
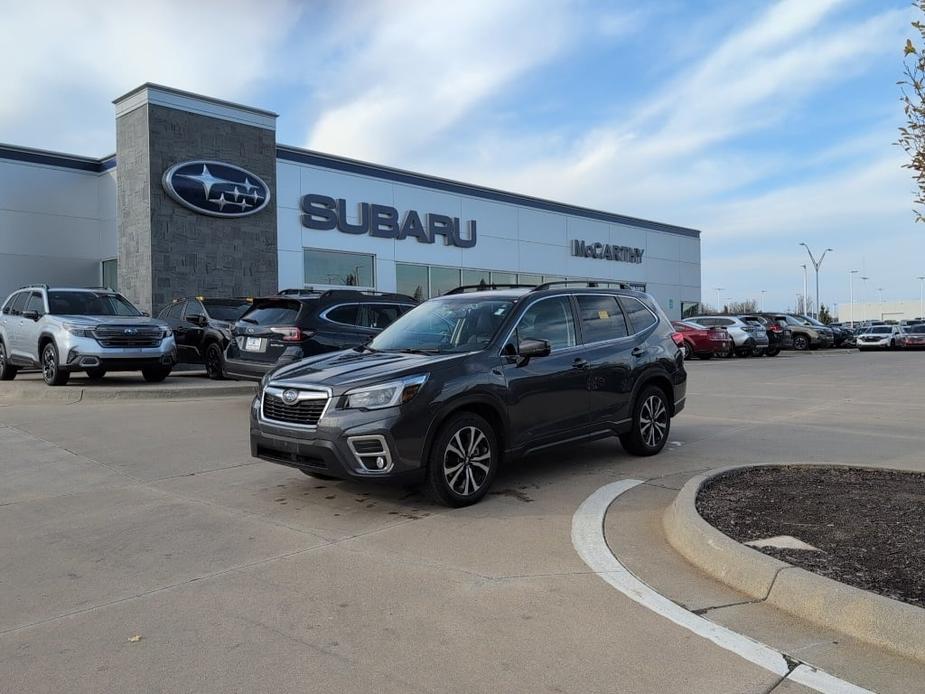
133	195
194	254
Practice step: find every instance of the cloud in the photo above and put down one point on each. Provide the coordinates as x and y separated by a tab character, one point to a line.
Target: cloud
74	58
418	68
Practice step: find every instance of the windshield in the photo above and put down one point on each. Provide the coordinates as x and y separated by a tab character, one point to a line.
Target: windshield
445	326
917	329
880	330
89	304
226	310
273	312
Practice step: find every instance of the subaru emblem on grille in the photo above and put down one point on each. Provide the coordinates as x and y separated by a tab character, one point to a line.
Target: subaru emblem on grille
290	396
130	331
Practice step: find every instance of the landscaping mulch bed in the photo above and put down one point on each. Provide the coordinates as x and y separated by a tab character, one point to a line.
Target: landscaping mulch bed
869	524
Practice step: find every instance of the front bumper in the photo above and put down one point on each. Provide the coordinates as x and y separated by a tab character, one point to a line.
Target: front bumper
86	353
329	448
879	344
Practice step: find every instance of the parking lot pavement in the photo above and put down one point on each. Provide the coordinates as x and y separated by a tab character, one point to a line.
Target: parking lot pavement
150	519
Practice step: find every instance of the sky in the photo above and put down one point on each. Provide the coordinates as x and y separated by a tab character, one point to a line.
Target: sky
763	124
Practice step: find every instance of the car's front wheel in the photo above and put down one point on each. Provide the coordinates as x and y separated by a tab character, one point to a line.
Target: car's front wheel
651	423
52	372
800	342
215	362
7	370
463	460
156	374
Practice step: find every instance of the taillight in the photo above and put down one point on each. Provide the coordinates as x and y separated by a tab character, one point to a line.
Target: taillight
289	334
774	327
678	339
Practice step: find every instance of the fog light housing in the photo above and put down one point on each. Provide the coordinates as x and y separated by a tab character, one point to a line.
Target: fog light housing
371	452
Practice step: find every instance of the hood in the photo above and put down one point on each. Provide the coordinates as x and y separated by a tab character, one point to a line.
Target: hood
351	368
91	321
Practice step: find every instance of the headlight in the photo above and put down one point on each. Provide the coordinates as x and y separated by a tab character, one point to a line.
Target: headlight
384	394
78	329
167	331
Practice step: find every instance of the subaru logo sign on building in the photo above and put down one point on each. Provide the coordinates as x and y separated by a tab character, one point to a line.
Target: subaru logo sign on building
216	188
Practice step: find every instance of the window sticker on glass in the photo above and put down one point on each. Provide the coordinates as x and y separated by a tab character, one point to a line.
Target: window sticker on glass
603	315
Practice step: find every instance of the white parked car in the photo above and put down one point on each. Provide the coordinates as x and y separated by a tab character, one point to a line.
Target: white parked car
879	337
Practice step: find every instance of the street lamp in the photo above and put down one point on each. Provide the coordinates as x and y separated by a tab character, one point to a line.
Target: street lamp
851	275
718	290
880	290
816	265
805	308
921	279
763	292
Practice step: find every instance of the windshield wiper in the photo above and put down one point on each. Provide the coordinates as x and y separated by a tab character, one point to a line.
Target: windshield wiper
363	348
248	320
411	350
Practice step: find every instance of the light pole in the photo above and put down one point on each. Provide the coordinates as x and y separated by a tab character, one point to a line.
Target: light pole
880	291
805	307
851	275
921	279
816	265
718	290
763	292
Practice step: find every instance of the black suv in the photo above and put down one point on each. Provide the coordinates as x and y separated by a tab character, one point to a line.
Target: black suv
468	379
202	329
302	323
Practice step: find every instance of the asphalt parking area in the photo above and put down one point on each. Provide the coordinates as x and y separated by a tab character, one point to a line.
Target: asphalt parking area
150	519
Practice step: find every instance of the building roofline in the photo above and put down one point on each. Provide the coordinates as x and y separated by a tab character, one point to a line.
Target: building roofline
194	95
48	157
330	161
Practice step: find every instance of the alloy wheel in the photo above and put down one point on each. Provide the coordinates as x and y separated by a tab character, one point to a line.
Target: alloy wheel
653	420
688	352
2	357
213	363
466	461
49	364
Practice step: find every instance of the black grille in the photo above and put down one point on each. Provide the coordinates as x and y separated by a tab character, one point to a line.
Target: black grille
128	336
367	446
304	412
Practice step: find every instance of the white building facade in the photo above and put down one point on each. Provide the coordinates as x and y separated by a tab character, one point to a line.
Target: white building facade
339	222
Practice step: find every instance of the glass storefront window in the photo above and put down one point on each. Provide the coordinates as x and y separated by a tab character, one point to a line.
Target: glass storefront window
529	279
552	278
504	278
476	276
111	274
339	269
412	280
690	308
443	279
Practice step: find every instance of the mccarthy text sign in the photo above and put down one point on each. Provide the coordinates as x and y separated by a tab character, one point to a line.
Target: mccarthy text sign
323	212
606	251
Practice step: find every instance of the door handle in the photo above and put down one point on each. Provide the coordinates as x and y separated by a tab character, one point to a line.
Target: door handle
639	351
580	363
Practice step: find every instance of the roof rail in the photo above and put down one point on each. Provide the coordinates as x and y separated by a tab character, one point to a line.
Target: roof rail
295	291
347	293
486	287
587	283
34	286
108	289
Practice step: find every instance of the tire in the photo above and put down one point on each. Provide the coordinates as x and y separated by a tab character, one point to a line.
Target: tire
215	362
7	370
688	350
463	460
645	440
52	372
156	374
773	351
96	374
748	349
892	344
800	343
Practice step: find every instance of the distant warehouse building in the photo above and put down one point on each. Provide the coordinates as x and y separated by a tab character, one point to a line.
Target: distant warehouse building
200	199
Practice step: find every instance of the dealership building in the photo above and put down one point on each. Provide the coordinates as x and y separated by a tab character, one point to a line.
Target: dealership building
200	199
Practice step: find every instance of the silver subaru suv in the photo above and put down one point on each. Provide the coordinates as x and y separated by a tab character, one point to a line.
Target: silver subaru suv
96	330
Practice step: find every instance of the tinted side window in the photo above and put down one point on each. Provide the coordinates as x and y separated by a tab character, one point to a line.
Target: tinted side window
174	311
18	303
344	314
637	315
9	303
278	312
601	318
551	320
380	316
193	308
36	303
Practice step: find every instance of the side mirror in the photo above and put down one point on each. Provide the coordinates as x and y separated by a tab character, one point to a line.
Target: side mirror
31	315
146	314
197	319
533	348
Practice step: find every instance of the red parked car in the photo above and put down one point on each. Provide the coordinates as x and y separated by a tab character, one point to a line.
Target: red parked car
703	342
911	337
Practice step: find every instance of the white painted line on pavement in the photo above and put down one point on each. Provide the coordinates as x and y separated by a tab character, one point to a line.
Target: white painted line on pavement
588	540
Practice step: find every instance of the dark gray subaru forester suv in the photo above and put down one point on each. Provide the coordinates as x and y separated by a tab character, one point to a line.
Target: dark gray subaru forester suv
472	378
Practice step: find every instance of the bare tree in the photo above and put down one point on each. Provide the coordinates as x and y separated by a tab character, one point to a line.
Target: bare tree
912	135
737	307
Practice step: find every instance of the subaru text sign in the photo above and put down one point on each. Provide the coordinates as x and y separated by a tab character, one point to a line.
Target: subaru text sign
325	213
215	188
606	251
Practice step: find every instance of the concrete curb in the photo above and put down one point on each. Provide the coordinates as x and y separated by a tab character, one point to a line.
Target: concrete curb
74	394
866	616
